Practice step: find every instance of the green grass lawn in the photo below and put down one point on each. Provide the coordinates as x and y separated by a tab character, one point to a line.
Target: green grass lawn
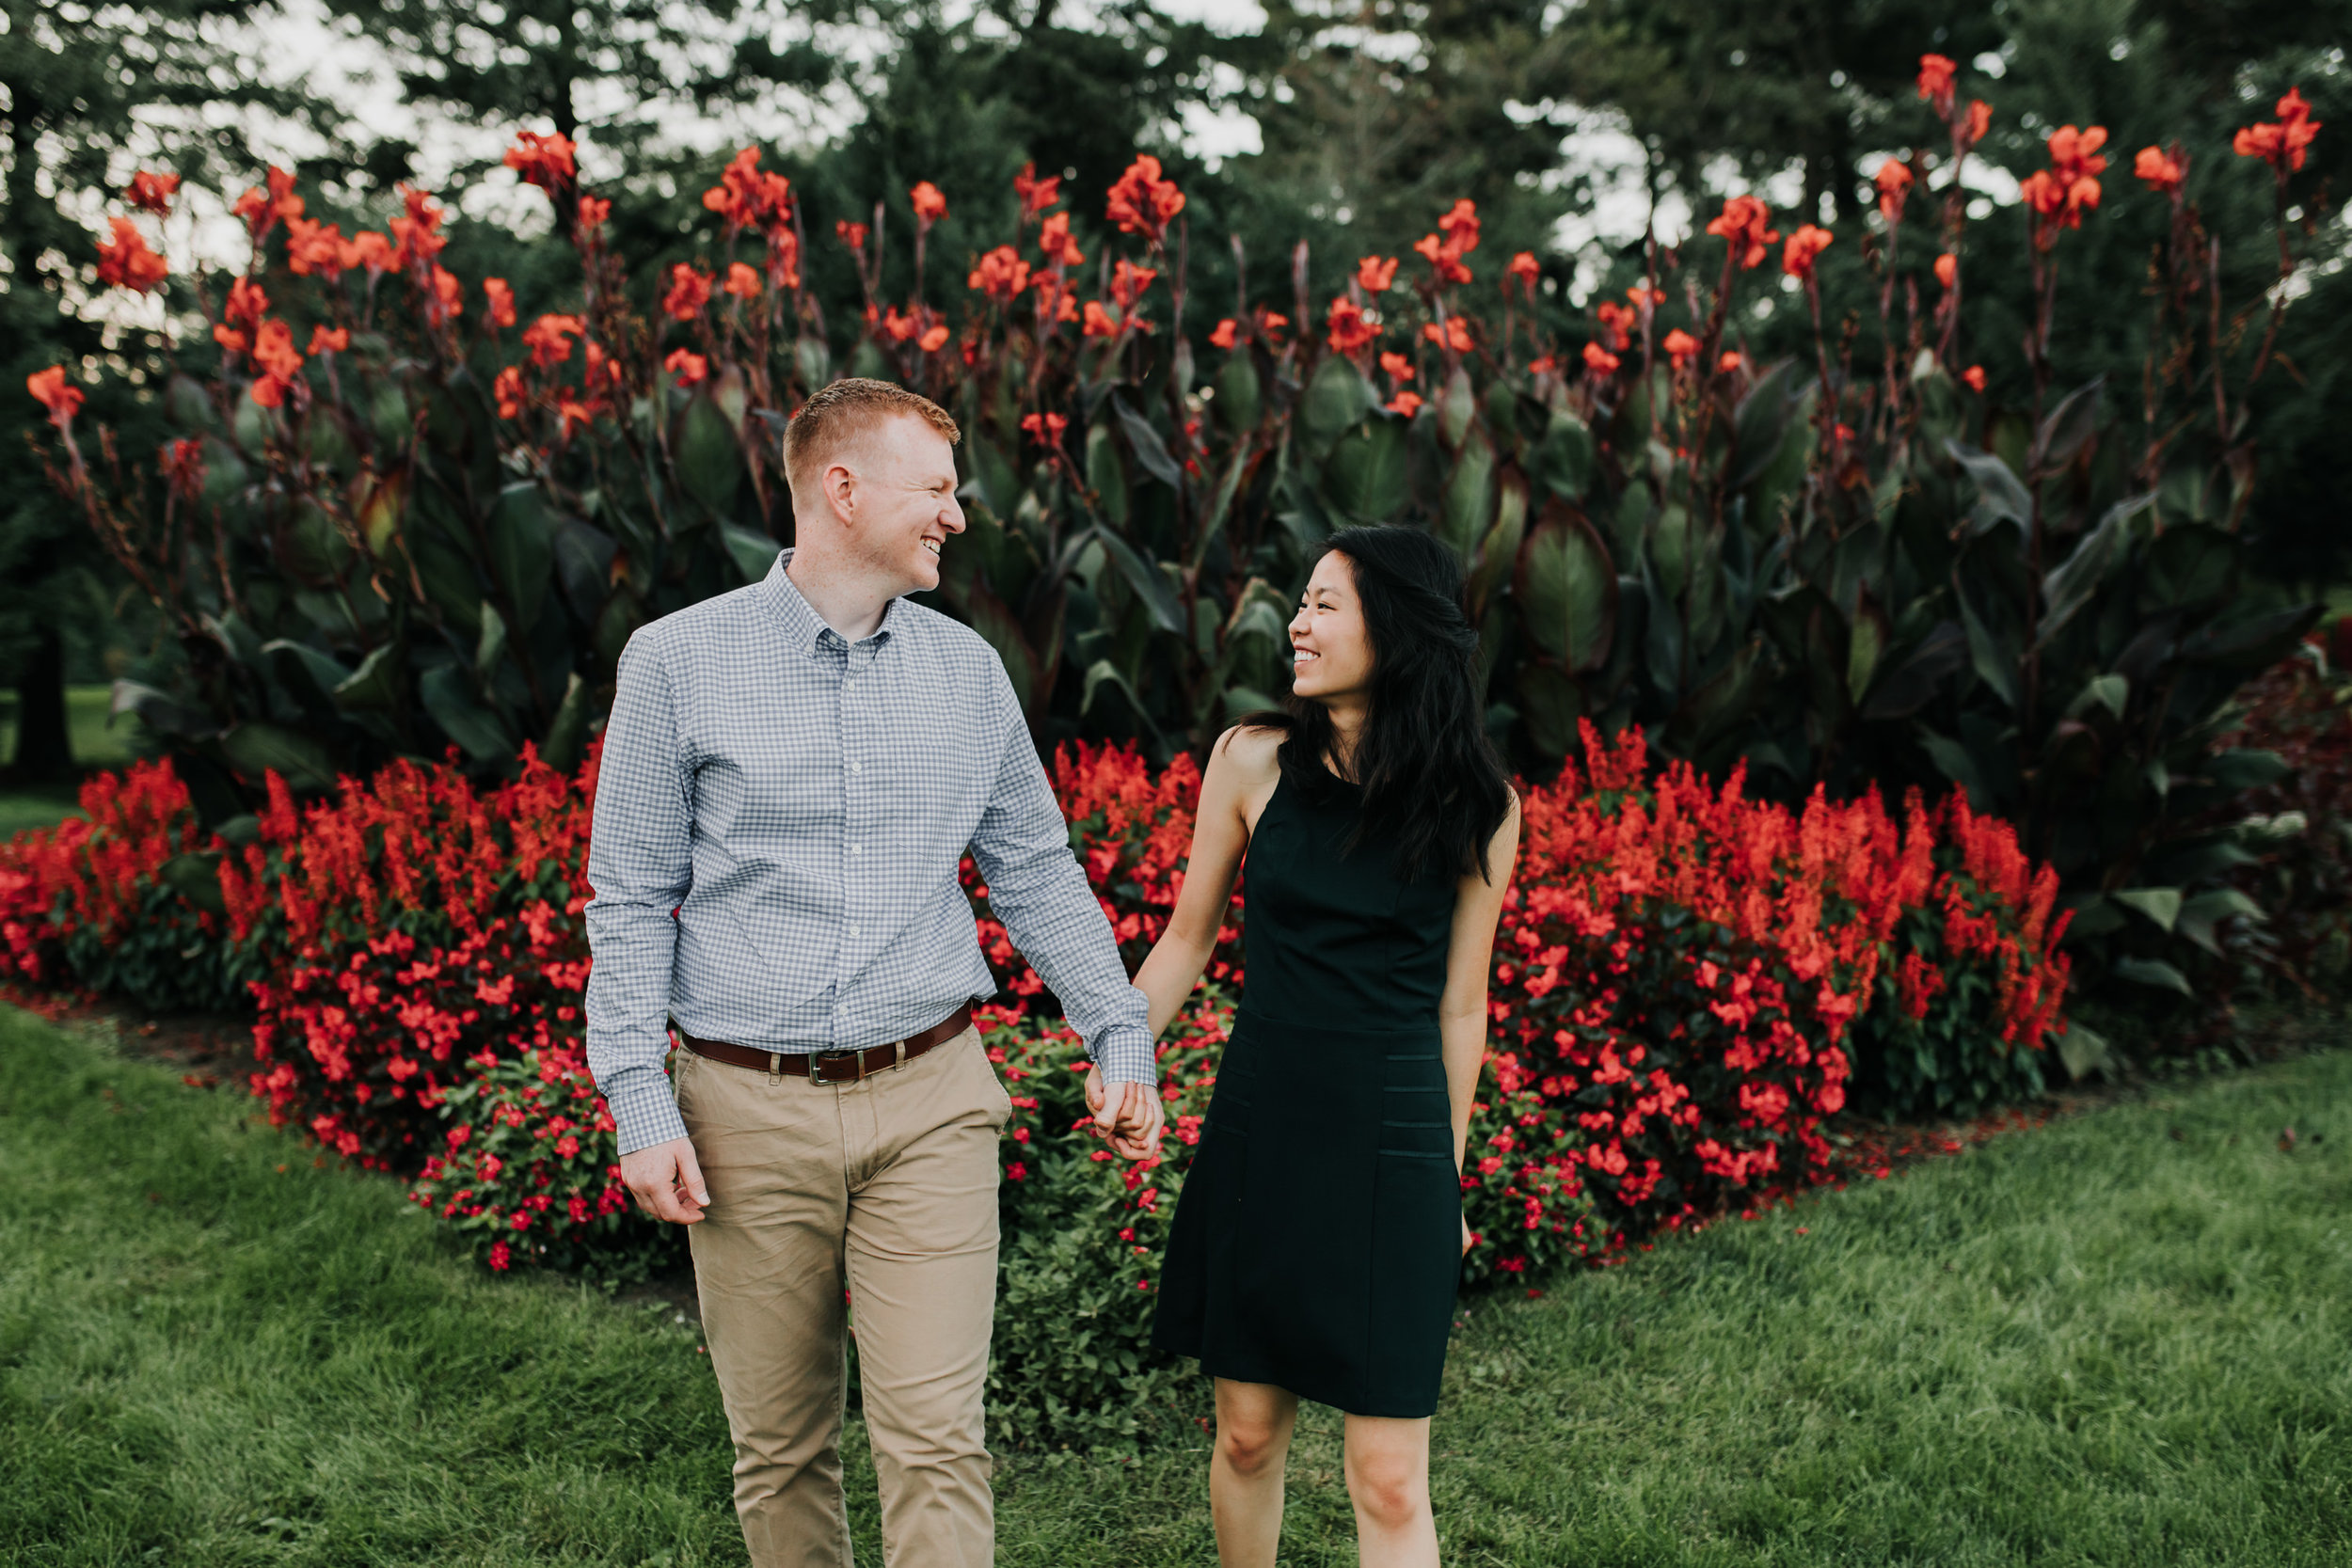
96	744
2126	1339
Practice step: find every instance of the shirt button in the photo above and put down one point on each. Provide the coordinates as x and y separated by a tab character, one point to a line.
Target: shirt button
852	930
857	768
856	851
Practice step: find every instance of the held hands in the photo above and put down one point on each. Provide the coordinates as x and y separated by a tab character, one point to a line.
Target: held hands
1130	1114
667	1181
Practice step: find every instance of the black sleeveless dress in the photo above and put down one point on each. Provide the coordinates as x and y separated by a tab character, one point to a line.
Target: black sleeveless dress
1318	1240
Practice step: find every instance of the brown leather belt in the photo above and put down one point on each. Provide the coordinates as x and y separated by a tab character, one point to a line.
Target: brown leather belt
833	1067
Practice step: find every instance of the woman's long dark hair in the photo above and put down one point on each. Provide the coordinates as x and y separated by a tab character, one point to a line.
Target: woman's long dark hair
1434	788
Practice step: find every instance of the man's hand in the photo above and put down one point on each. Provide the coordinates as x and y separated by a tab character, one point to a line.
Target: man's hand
667	1181
1132	1115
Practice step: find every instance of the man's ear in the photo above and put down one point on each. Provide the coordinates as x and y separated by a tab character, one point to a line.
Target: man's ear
840	481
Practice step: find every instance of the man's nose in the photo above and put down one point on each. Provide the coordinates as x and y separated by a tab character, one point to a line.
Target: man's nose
951	516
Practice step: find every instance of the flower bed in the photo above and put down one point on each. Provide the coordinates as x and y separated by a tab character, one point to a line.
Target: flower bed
1687	982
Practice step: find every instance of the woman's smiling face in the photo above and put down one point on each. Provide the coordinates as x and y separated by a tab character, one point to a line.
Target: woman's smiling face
1331	645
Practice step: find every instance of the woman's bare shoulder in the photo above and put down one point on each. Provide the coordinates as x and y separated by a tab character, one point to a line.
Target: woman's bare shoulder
1250	750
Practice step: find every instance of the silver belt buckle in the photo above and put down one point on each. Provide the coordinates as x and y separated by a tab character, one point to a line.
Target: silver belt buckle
817	1074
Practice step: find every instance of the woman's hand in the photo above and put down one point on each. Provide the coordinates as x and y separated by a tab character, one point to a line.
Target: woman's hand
1467	1240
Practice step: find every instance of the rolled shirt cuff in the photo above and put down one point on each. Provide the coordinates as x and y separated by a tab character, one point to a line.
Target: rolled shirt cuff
645	1113
1124	1054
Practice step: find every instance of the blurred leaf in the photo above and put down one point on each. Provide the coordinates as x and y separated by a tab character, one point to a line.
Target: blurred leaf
375	687
1468	503
1456	406
1908	685
1145	579
492	646
2000	495
1567	588
566	739
450	700
1365	475
1237	400
2083	1051
1549	704
705	452
1107	475
1145	442
522	549
255	748
2160	904
2068	426
2072	582
1337	398
1498	552
1565	460
753	554
196	878
2152	971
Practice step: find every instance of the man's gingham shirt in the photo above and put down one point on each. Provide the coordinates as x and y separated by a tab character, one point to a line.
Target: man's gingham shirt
803	804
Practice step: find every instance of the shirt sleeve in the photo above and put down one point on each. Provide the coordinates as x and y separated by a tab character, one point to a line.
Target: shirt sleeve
1036	888
640	866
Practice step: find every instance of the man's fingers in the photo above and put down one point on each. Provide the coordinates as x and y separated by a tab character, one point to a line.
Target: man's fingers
689	1177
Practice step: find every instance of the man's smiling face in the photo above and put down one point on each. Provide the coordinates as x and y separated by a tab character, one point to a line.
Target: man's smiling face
905	501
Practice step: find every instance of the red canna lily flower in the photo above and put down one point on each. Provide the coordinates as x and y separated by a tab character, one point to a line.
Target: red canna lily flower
1348	329
325	340
1547	365
246	303
1937	74
151	193
182	463
930	206
2159	171
1974	378
1045	429
1036	193
1374	275
935	339
745	197
417	237
1002	275
547	162
1098	320
1980	121
898	328
1407	403
687	367
1745	223
1223	337
1526	269
1460	226
1055	244
1270	325
1730	362
125	262
1681	348
51	389
550	339
314	248
690	291
851	234
1893	184
1128	282
1804	248
1141	202
1444	257
502	300
1455	336
589	216
1618	321
1599	360
278	359
367	249
2281	143
1947	269
742	280
1399	368
507	387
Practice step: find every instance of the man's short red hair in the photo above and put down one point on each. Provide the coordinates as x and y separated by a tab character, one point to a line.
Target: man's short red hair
843	411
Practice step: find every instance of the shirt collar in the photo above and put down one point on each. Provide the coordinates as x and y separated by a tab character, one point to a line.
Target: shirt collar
801	624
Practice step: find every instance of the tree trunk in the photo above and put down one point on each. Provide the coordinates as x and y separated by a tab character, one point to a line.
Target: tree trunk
44	748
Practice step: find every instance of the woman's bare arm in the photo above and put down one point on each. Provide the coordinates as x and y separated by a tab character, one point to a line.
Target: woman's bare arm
1462	1010
1240	776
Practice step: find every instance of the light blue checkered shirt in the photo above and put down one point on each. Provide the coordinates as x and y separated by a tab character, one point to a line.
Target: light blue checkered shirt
803	804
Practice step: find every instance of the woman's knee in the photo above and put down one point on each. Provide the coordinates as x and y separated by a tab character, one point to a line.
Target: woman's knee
1390	1486
1249	1446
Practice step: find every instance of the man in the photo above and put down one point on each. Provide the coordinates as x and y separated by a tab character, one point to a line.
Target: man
792	775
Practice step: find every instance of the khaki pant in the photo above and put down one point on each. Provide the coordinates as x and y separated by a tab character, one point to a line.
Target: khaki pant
885	1190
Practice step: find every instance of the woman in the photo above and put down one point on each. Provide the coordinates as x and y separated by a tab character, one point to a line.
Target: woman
1319	1239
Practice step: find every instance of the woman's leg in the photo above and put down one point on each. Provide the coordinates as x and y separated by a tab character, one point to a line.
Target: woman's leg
1253	1436
1388	1480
